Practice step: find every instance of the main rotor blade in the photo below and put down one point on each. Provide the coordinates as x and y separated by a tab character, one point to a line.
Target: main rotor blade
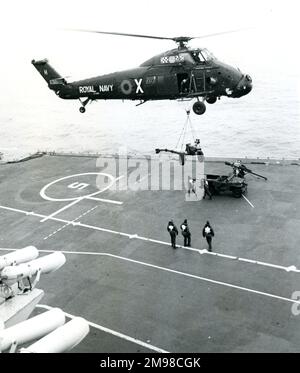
122	34
221	33
180	39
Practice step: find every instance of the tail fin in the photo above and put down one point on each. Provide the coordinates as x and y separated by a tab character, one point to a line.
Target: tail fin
52	77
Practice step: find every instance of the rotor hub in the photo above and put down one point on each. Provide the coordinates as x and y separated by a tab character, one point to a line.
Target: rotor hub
182	41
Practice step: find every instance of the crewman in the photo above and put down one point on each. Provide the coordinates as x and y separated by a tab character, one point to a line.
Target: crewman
192	186
186	233
172	229
206	190
238	169
197	144
194	149
208	233
196	58
184	85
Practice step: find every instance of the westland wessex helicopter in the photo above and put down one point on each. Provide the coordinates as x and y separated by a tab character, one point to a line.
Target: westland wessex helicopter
181	73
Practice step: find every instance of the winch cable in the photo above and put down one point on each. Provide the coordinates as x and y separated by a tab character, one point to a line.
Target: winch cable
182	135
194	135
187	123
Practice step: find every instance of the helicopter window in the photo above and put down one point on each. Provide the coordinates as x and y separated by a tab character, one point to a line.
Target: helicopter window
208	56
197	57
186	57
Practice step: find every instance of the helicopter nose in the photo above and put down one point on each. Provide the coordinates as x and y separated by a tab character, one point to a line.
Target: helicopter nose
244	86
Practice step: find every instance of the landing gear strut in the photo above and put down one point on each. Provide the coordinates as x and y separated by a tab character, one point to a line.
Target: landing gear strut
199	107
84	103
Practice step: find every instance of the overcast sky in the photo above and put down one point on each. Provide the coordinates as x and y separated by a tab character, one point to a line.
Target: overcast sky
33	29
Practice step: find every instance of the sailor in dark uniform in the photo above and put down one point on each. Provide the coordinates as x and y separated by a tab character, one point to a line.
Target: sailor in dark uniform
186	233
172	229
208	233
206	190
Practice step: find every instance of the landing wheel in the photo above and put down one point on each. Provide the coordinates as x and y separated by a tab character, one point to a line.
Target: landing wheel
199	108
211	100
82	109
237	193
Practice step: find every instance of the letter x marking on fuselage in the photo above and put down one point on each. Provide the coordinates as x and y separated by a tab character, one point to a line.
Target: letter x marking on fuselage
138	85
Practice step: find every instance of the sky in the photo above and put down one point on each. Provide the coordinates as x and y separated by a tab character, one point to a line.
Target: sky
34	29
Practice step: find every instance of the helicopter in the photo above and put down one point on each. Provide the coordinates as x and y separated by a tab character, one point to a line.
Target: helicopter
182	73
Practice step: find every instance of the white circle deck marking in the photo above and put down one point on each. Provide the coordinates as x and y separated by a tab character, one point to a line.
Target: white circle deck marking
46	197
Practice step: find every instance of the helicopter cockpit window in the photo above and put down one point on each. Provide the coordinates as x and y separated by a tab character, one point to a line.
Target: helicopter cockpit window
207	55
197	57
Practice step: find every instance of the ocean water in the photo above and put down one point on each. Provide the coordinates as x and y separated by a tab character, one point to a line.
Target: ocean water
265	123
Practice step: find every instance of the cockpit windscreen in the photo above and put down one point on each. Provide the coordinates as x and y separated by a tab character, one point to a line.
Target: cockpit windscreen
202	56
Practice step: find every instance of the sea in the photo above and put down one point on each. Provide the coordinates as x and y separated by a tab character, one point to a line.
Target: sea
265	123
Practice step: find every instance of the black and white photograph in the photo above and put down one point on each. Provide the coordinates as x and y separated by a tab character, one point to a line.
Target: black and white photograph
149	179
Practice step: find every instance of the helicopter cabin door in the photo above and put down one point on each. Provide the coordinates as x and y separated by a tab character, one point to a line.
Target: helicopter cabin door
193	82
198	79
